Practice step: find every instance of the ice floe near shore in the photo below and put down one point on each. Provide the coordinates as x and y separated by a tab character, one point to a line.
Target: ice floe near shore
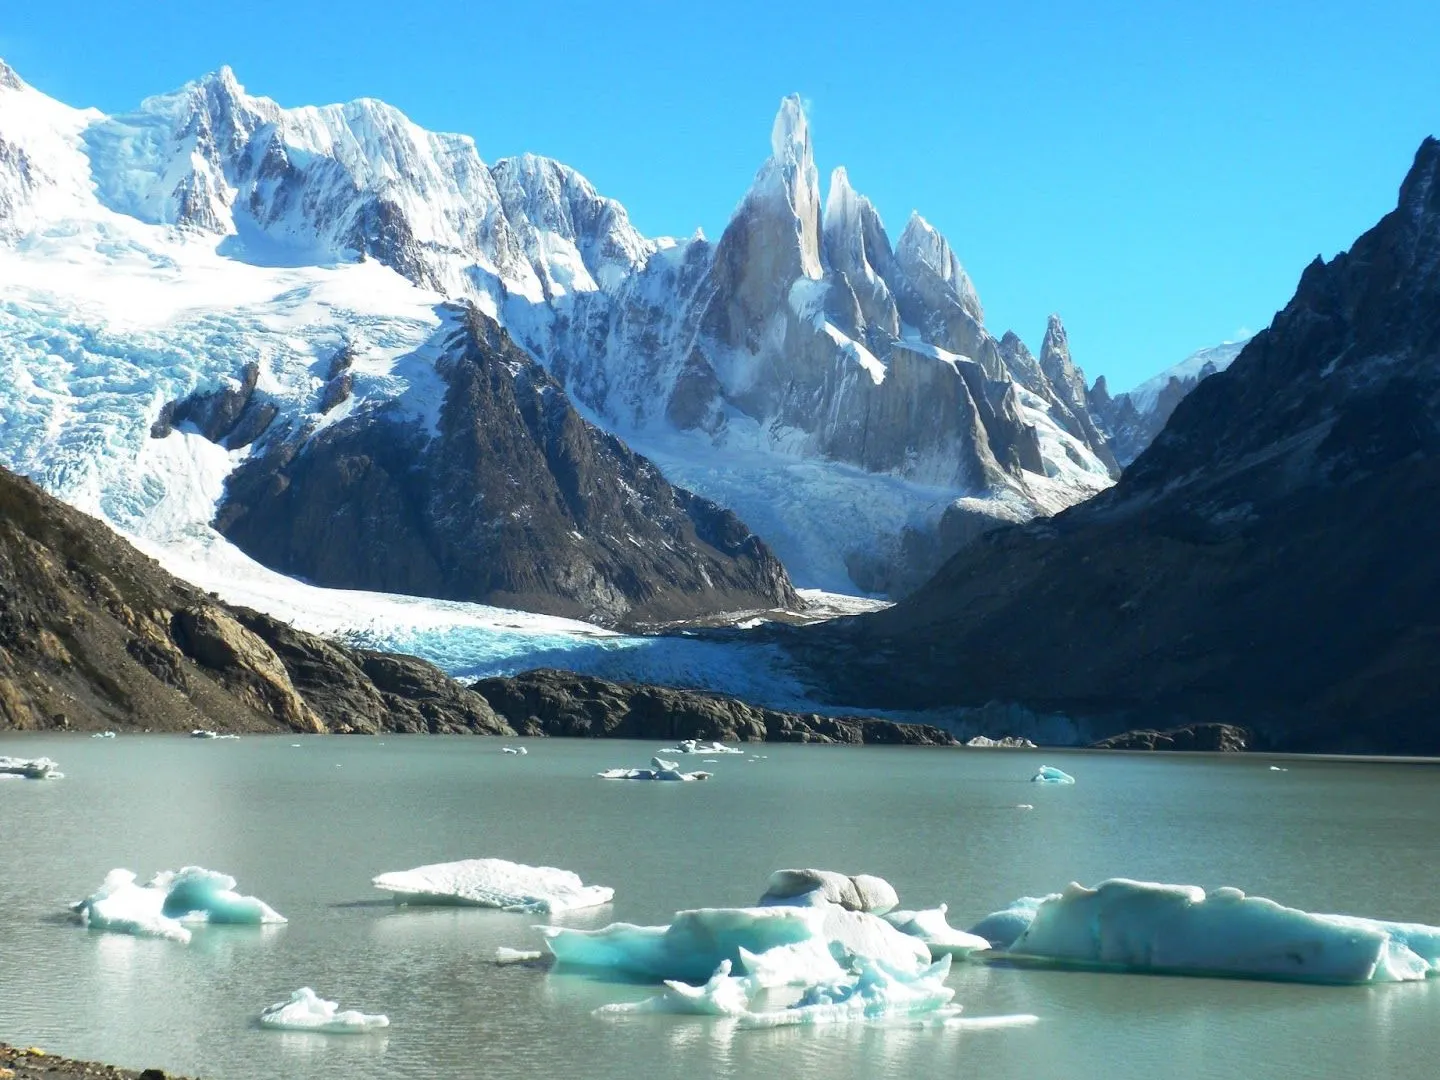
660	769
41	768
308	1011
496	883
694	746
1124	925
169	903
1048	774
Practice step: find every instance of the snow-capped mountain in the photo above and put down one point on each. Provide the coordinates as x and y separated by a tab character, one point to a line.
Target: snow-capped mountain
840	393
1132	419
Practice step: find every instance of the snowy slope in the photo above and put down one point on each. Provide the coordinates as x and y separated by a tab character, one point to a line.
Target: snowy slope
1217	357
148	255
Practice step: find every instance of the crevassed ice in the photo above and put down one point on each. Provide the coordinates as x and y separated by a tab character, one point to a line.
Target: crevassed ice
308	1011
164	905
496	883
1180	929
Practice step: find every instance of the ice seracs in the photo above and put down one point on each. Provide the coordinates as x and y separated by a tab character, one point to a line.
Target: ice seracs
1124	925
170	903
41	768
308	1011
1048	774
496	883
660	769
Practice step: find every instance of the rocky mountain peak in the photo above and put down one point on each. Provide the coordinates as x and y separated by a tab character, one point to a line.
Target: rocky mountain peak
8	79
924	252
856	245
1055	362
791	173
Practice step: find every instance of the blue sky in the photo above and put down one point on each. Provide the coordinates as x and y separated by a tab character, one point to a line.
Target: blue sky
1158	174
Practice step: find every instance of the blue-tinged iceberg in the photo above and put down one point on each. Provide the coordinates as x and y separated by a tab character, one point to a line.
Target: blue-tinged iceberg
308	1011
1123	925
932	928
169	903
496	883
1048	774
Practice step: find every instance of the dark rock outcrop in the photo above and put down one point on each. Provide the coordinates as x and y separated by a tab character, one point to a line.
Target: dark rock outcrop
513	500
95	635
233	416
1271	556
547	702
1222	738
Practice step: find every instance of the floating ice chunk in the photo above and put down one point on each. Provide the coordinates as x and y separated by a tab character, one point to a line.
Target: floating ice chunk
40	768
693	746
1006	742
167	902
1024	806
876	992
1179	929
991	1023
496	883
514	750
308	1011
103	735
660	769
1001	928
862	892
506	955
202	733
1048	774
696	942
932	928
1277	768
800	964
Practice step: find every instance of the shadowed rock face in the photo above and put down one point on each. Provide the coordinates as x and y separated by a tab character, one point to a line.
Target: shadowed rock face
1222	738
513	500
1269	560
549	702
95	635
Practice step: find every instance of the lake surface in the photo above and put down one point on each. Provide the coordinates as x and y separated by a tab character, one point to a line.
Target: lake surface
306	827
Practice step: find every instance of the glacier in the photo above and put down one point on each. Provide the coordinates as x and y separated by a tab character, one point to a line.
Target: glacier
308	1011
496	883
1124	925
170	903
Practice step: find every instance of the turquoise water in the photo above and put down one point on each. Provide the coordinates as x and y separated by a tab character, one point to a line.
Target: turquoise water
306	827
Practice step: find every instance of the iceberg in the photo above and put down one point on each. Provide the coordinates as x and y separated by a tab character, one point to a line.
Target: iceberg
40	768
506	955
206	733
862	892
1124	925
1048	774
1005	742
308	1011
696	942
932	928
514	750
165	905
495	883
103	735
1001	928
693	746
660	769
876	992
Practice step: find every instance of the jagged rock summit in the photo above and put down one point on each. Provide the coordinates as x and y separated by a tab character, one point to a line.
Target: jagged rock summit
1269	558
800	364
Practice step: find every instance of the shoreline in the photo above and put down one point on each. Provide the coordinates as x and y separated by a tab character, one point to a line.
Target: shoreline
34	1063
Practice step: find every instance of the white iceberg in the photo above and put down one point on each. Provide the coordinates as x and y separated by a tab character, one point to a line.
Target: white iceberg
931	927
1048	774
308	1011
496	883
660	769
40	768
206	733
694	746
514	750
103	735
168	903
1005	742
1124	925
875	992
506	955
696	942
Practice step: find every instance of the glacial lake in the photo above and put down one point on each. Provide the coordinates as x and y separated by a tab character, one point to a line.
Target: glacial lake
306	827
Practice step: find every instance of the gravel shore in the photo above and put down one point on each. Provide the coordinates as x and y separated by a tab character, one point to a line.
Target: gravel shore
32	1063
